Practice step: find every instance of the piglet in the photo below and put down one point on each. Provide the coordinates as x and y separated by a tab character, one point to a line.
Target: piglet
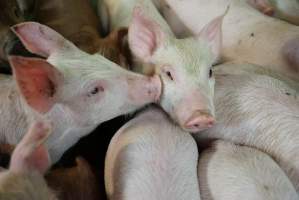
183	64
77	21
75	90
257	110
151	158
287	10
30	160
248	35
231	172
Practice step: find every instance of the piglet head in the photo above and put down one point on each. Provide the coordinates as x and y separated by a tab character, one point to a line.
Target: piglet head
184	66
89	88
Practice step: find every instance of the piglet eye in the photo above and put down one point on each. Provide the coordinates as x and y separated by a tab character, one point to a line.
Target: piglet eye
95	91
210	73
168	73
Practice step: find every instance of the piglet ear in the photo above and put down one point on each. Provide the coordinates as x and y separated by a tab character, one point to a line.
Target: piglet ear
40	39
37	81
145	36
212	33
30	154
264	6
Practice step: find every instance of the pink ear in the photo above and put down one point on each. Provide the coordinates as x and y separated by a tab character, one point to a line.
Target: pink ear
212	33
37	81
264	6
145	36
30	154
40	39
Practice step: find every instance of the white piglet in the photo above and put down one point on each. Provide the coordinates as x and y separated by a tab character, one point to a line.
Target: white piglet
259	111
248	35
183	64
75	90
30	160
230	172
151	158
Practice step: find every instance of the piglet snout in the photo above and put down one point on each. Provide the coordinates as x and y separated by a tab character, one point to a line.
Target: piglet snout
145	90
154	88
199	120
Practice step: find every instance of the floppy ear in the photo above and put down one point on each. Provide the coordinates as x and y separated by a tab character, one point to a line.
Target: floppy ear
30	154
145	36
40	39
37	81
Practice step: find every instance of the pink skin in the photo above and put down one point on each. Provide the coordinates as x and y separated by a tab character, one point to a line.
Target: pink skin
39	91
34	41
200	118
187	86
30	154
46	47
75	90
291	53
144	88
263	6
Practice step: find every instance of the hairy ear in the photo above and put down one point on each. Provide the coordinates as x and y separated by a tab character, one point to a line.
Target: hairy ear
40	39
37	81
145	36
212	34
30	154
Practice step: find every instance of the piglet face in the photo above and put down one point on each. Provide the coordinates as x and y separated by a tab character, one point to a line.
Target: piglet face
184	66
94	97
188	87
90	88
